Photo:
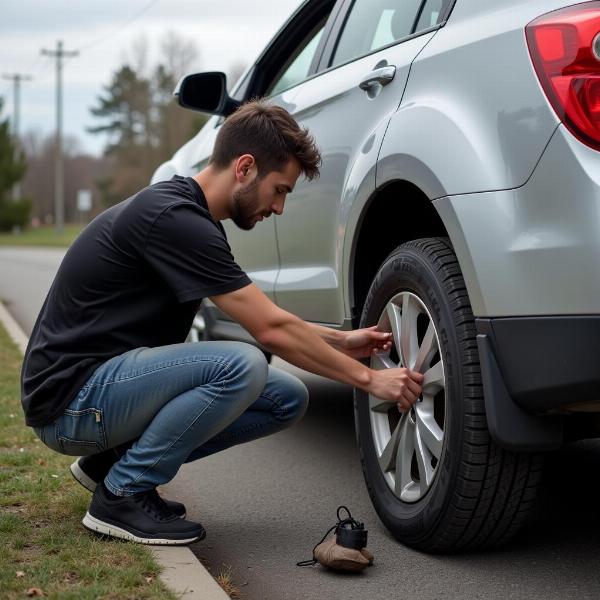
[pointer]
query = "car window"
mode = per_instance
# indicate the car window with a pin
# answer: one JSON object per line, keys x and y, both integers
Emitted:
{"x": 296, "y": 68}
{"x": 372, "y": 24}
{"x": 431, "y": 14}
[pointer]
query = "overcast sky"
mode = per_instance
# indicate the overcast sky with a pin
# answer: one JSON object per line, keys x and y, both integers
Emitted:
{"x": 226, "y": 32}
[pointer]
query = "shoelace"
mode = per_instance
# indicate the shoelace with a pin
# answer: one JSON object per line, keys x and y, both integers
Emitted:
{"x": 341, "y": 522}
{"x": 154, "y": 505}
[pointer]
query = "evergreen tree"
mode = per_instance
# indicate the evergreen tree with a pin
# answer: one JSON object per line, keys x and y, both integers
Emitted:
{"x": 126, "y": 105}
{"x": 12, "y": 168}
{"x": 144, "y": 124}
{"x": 12, "y": 161}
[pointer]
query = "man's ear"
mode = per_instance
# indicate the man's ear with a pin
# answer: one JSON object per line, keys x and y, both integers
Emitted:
{"x": 244, "y": 167}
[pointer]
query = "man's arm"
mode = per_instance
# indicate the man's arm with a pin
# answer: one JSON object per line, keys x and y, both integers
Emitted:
{"x": 357, "y": 343}
{"x": 331, "y": 336}
{"x": 297, "y": 342}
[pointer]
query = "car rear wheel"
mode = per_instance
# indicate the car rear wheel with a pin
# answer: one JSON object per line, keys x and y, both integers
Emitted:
{"x": 436, "y": 478}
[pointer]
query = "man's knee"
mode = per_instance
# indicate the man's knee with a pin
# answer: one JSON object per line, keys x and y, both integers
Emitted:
{"x": 249, "y": 365}
{"x": 297, "y": 401}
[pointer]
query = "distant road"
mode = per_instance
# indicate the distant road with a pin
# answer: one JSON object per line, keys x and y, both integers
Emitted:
{"x": 267, "y": 503}
{"x": 26, "y": 275}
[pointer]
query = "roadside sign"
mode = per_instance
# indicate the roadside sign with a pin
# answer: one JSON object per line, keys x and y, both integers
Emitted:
{"x": 84, "y": 200}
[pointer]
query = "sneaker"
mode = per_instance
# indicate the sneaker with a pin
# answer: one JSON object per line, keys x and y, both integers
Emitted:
{"x": 144, "y": 518}
{"x": 91, "y": 470}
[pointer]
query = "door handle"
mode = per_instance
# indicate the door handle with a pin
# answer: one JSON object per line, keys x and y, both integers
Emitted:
{"x": 381, "y": 76}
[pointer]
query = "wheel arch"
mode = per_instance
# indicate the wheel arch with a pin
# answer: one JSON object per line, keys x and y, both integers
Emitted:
{"x": 396, "y": 212}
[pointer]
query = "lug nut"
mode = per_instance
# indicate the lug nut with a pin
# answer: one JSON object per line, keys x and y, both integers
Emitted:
{"x": 596, "y": 46}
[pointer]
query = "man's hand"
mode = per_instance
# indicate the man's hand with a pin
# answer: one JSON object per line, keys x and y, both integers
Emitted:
{"x": 302, "y": 344}
{"x": 398, "y": 385}
{"x": 362, "y": 343}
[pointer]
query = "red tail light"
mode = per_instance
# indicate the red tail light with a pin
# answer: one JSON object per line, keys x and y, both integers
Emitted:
{"x": 565, "y": 50}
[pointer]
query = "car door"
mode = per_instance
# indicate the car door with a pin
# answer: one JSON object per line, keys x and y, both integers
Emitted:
{"x": 288, "y": 59}
{"x": 346, "y": 107}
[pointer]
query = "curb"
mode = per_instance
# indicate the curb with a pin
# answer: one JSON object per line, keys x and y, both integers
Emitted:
{"x": 13, "y": 328}
{"x": 181, "y": 572}
{"x": 185, "y": 575}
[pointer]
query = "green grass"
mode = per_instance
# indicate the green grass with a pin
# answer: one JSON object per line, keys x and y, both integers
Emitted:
{"x": 42, "y": 236}
{"x": 43, "y": 543}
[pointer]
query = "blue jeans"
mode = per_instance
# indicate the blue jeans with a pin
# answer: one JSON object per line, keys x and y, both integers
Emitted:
{"x": 179, "y": 403}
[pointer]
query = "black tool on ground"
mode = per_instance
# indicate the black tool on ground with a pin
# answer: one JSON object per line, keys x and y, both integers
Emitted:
{"x": 346, "y": 551}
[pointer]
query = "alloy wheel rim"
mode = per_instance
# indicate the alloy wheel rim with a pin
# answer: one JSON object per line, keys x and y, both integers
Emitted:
{"x": 197, "y": 330}
{"x": 409, "y": 444}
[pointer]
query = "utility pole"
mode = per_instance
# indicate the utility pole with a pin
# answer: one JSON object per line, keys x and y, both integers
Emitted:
{"x": 16, "y": 78}
{"x": 59, "y": 199}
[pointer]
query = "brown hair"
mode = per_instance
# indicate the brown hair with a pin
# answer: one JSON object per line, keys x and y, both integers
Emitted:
{"x": 270, "y": 134}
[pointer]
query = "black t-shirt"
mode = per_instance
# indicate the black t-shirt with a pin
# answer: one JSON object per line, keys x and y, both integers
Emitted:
{"x": 133, "y": 278}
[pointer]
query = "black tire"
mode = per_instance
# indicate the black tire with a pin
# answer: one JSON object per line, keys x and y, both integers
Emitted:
{"x": 480, "y": 494}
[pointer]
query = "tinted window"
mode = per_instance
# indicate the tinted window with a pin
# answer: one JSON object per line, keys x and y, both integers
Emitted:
{"x": 372, "y": 24}
{"x": 431, "y": 14}
{"x": 296, "y": 68}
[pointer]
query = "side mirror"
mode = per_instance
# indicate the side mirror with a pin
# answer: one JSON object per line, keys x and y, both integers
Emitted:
{"x": 206, "y": 92}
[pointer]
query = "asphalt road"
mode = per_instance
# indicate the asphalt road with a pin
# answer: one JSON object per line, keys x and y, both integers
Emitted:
{"x": 266, "y": 504}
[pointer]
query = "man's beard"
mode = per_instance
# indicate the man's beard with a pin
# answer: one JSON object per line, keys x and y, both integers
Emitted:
{"x": 245, "y": 206}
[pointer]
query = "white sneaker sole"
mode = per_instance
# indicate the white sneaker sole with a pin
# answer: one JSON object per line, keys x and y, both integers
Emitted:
{"x": 94, "y": 524}
{"x": 82, "y": 478}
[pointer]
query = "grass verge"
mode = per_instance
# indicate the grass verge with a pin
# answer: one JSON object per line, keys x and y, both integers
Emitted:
{"x": 42, "y": 236}
{"x": 45, "y": 550}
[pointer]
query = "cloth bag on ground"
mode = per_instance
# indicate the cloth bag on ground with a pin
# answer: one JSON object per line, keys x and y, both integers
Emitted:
{"x": 345, "y": 550}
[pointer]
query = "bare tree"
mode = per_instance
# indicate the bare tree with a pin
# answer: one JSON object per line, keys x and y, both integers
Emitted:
{"x": 82, "y": 171}
{"x": 145, "y": 124}
{"x": 178, "y": 54}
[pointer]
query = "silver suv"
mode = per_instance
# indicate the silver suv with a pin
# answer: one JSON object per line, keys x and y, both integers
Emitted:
{"x": 459, "y": 208}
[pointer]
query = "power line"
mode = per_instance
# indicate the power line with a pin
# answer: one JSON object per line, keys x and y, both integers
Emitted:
{"x": 35, "y": 63}
{"x": 59, "y": 200}
{"x": 41, "y": 66}
{"x": 119, "y": 28}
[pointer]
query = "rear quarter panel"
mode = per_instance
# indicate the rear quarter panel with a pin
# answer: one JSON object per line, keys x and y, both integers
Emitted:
{"x": 474, "y": 116}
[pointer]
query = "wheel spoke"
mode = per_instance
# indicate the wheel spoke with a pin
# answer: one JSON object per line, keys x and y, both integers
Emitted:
{"x": 423, "y": 462}
{"x": 427, "y": 350}
{"x": 404, "y": 454}
{"x": 409, "y": 344}
{"x": 387, "y": 460}
{"x": 382, "y": 360}
{"x": 394, "y": 316}
{"x": 429, "y": 431}
{"x": 433, "y": 379}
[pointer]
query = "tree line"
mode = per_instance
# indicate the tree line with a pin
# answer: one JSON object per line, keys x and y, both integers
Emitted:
{"x": 138, "y": 114}
{"x": 138, "y": 117}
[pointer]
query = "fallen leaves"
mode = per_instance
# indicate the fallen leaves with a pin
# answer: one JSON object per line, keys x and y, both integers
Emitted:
{"x": 34, "y": 592}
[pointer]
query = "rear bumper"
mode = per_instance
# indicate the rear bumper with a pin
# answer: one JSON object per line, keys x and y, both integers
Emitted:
{"x": 533, "y": 365}
{"x": 547, "y": 362}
